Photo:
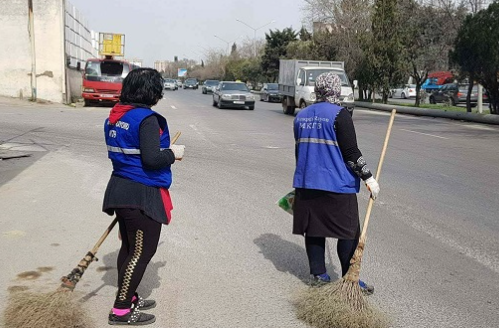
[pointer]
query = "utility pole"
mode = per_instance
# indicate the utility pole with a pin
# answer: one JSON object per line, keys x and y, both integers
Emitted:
{"x": 31, "y": 32}
{"x": 480, "y": 99}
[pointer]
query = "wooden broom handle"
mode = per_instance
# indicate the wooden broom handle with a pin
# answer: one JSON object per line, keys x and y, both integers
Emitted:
{"x": 175, "y": 137}
{"x": 104, "y": 236}
{"x": 378, "y": 174}
{"x": 113, "y": 223}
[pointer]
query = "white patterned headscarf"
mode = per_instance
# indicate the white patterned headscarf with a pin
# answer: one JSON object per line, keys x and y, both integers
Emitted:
{"x": 328, "y": 88}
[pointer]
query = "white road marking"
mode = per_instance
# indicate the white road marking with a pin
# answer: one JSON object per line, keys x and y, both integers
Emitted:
{"x": 426, "y": 134}
{"x": 174, "y": 107}
{"x": 202, "y": 135}
{"x": 470, "y": 125}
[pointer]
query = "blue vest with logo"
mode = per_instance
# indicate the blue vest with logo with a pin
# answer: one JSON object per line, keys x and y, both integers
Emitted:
{"x": 320, "y": 164}
{"x": 123, "y": 148}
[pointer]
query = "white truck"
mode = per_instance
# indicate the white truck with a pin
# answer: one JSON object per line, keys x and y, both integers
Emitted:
{"x": 297, "y": 80}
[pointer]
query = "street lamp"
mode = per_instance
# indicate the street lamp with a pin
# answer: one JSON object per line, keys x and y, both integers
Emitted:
{"x": 227, "y": 42}
{"x": 254, "y": 31}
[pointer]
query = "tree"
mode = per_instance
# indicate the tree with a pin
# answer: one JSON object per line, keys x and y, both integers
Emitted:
{"x": 427, "y": 35}
{"x": 275, "y": 49}
{"x": 476, "y": 51}
{"x": 251, "y": 48}
{"x": 304, "y": 34}
{"x": 233, "y": 50}
{"x": 385, "y": 47}
{"x": 302, "y": 50}
{"x": 339, "y": 29}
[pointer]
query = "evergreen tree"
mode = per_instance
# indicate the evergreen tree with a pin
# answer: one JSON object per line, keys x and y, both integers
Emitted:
{"x": 477, "y": 51}
{"x": 275, "y": 49}
{"x": 385, "y": 49}
{"x": 305, "y": 35}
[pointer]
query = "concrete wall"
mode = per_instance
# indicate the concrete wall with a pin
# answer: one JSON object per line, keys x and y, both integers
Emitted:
{"x": 74, "y": 79}
{"x": 15, "y": 49}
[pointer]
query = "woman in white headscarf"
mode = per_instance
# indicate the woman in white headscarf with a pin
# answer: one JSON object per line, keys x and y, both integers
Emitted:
{"x": 329, "y": 167}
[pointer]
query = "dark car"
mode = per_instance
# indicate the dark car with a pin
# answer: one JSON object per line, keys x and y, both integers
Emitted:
{"x": 455, "y": 94}
{"x": 209, "y": 86}
{"x": 190, "y": 83}
{"x": 270, "y": 93}
{"x": 233, "y": 95}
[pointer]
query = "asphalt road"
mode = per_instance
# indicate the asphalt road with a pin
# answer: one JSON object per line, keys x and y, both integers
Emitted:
{"x": 229, "y": 259}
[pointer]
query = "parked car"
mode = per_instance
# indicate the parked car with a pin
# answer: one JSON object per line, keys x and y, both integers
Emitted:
{"x": 209, "y": 86}
{"x": 456, "y": 94}
{"x": 404, "y": 91}
{"x": 233, "y": 95}
{"x": 191, "y": 83}
{"x": 179, "y": 83}
{"x": 270, "y": 92}
{"x": 170, "y": 84}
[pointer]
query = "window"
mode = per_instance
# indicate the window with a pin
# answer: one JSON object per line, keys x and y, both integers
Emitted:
{"x": 312, "y": 74}
{"x": 301, "y": 76}
{"x": 235, "y": 86}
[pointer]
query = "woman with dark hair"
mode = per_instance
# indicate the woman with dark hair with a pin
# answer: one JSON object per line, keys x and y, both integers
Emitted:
{"x": 329, "y": 166}
{"x": 138, "y": 144}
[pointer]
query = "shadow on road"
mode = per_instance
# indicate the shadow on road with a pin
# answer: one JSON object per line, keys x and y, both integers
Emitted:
{"x": 286, "y": 256}
{"x": 150, "y": 281}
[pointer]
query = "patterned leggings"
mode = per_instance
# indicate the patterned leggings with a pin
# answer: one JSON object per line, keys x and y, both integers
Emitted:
{"x": 139, "y": 241}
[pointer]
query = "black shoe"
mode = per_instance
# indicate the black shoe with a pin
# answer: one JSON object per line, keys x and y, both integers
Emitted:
{"x": 143, "y": 304}
{"x": 133, "y": 318}
{"x": 367, "y": 289}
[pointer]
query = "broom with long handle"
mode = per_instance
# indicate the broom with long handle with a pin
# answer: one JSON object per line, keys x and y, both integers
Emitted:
{"x": 342, "y": 303}
{"x": 354, "y": 269}
{"x": 69, "y": 282}
{"x": 59, "y": 308}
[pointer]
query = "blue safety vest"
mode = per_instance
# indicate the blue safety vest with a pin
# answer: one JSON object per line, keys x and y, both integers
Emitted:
{"x": 320, "y": 164}
{"x": 123, "y": 148}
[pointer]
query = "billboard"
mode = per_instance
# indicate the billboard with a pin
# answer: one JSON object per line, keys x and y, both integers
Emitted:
{"x": 182, "y": 72}
{"x": 111, "y": 44}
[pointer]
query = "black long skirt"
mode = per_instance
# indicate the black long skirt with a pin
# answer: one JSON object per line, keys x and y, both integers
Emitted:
{"x": 318, "y": 213}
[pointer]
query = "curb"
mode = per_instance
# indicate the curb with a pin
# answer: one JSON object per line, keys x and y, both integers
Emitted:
{"x": 469, "y": 117}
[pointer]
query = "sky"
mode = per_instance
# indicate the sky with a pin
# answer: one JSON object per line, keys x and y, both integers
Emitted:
{"x": 162, "y": 29}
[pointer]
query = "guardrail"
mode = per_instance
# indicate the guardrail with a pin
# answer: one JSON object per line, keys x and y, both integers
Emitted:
{"x": 463, "y": 116}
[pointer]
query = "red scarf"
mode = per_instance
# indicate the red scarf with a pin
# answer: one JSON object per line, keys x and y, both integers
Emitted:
{"x": 116, "y": 113}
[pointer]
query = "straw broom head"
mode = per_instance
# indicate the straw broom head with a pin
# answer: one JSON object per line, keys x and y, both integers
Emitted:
{"x": 341, "y": 304}
{"x": 57, "y": 309}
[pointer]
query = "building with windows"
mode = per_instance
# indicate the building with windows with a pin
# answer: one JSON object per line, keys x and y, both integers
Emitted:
{"x": 161, "y": 65}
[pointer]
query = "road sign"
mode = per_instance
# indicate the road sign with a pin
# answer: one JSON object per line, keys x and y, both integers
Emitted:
{"x": 182, "y": 72}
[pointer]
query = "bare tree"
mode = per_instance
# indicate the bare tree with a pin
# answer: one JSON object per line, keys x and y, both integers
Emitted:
{"x": 347, "y": 21}
{"x": 249, "y": 46}
{"x": 429, "y": 33}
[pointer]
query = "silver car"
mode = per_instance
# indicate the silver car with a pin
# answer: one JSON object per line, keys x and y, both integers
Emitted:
{"x": 170, "y": 84}
{"x": 404, "y": 91}
{"x": 233, "y": 95}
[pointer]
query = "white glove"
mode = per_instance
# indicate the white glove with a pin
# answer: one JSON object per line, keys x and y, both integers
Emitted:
{"x": 373, "y": 187}
{"x": 178, "y": 151}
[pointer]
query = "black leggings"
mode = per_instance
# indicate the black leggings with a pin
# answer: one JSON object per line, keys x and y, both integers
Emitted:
{"x": 316, "y": 250}
{"x": 139, "y": 241}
